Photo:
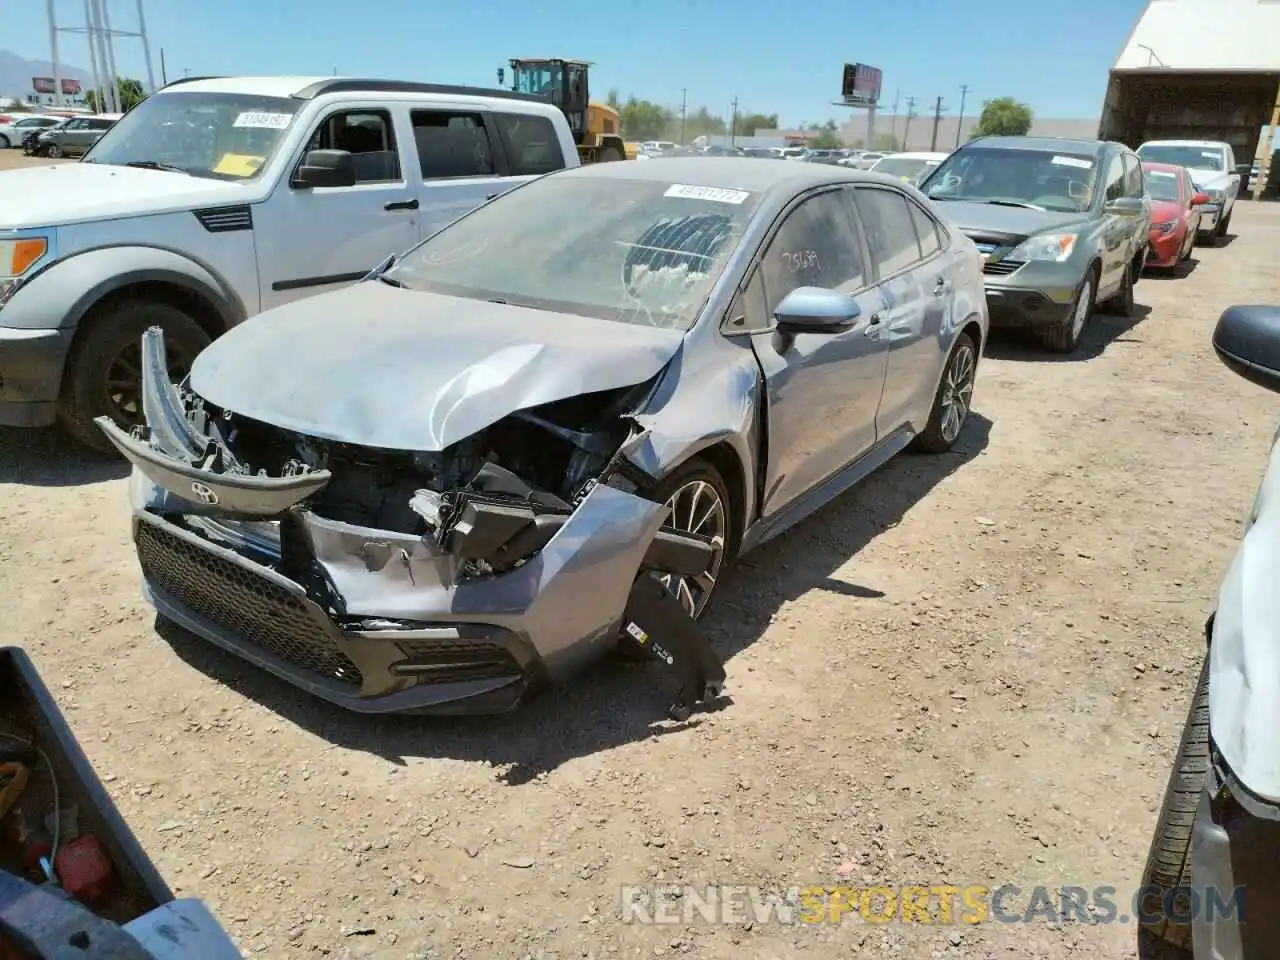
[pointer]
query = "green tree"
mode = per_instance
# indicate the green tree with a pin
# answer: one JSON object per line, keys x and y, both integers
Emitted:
{"x": 612, "y": 99}
{"x": 130, "y": 91}
{"x": 1003, "y": 117}
{"x": 749, "y": 123}
{"x": 643, "y": 119}
{"x": 826, "y": 136}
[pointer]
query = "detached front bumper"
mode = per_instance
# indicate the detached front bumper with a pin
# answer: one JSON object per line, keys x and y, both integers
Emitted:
{"x": 378, "y": 621}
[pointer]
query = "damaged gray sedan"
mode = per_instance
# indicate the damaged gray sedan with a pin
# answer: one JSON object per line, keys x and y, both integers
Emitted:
{"x": 548, "y": 426}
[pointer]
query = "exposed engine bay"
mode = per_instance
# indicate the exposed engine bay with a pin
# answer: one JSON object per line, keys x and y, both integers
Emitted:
{"x": 364, "y": 549}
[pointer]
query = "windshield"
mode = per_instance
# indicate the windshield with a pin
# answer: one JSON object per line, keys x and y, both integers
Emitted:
{"x": 632, "y": 251}
{"x": 902, "y": 167}
{"x": 1161, "y": 184}
{"x": 1033, "y": 178}
{"x": 1202, "y": 158}
{"x": 223, "y": 136}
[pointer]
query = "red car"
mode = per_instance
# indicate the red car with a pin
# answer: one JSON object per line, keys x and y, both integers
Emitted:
{"x": 1175, "y": 213}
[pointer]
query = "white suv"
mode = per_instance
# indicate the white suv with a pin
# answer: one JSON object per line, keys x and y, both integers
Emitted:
{"x": 1212, "y": 164}
{"x": 215, "y": 199}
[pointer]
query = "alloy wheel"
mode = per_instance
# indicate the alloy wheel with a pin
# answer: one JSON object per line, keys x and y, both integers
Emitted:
{"x": 697, "y": 508}
{"x": 1083, "y": 303}
{"x": 957, "y": 392}
{"x": 124, "y": 381}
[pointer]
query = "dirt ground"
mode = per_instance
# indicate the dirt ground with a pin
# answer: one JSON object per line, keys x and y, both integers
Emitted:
{"x": 971, "y": 670}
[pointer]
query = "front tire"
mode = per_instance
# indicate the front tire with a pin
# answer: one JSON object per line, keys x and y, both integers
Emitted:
{"x": 53, "y": 151}
{"x": 699, "y": 503}
{"x": 1169, "y": 859}
{"x": 954, "y": 399}
{"x": 1220, "y": 232}
{"x": 104, "y": 370}
{"x": 609, "y": 155}
{"x": 4, "y": 142}
{"x": 1065, "y": 337}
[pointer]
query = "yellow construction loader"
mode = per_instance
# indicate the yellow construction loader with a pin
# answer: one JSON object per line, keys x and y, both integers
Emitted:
{"x": 596, "y": 126}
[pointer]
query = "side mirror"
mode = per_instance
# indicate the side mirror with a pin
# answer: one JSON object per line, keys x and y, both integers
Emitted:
{"x": 1247, "y": 340}
{"x": 326, "y": 168}
{"x": 1200, "y": 199}
{"x": 1125, "y": 206}
{"x": 815, "y": 310}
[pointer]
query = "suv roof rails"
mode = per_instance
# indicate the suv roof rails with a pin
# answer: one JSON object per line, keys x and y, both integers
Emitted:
{"x": 174, "y": 83}
{"x": 349, "y": 85}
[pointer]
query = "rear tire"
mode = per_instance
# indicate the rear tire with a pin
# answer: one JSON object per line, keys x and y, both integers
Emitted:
{"x": 100, "y": 355}
{"x": 1065, "y": 337}
{"x": 955, "y": 387}
{"x": 1169, "y": 859}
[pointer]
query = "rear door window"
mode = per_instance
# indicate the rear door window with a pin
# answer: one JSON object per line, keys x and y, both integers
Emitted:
{"x": 452, "y": 144}
{"x": 891, "y": 232}
{"x": 533, "y": 148}
{"x": 927, "y": 231}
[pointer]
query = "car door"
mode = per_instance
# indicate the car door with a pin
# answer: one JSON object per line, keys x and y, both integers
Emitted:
{"x": 460, "y": 157}
{"x": 822, "y": 390}
{"x": 1115, "y": 230}
{"x": 906, "y": 258}
{"x": 312, "y": 238}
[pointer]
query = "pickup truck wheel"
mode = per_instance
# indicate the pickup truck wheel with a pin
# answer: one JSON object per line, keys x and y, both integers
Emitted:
{"x": 699, "y": 502}
{"x": 104, "y": 370}
{"x": 1169, "y": 860}
{"x": 1065, "y": 337}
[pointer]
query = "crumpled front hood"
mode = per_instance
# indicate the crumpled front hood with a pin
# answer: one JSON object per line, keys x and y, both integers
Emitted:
{"x": 66, "y": 193}
{"x": 1244, "y": 658}
{"x": 382, "y": 367}
{"x": 974, "y": 217}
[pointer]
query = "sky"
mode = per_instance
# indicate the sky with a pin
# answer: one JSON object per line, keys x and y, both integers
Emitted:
{"x": 771, "y": 57}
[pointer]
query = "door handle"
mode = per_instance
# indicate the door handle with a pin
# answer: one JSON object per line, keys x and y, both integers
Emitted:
{"x": 873, "y": 325}
{"x": 940, "y": 287}
{"x": 401, "y": 204}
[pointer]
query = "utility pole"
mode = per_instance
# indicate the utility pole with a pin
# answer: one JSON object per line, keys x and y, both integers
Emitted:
{"x": 164, "y": 77}
{"x": 893, "y": 127}
{"x": 733, "y": 122}
{"x": 684, "y": 103}
{"x": 964, "y": 92}
{"x": 937, "y": 119}
{"x": 906, "y": 130}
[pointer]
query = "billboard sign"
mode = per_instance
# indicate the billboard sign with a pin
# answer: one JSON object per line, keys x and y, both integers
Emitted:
{"x": 70, "y": 88}
{"x": 44, "y": 85}
{"x": 860, "y": 85}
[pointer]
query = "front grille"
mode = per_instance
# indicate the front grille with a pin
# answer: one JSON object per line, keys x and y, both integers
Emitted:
{"x": 1002, "y": 268}
{"x": 456, "y": 660}
{"x": 246, "y": 604}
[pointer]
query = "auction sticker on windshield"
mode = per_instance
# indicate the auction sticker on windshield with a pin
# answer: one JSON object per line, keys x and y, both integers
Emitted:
{"x": 1073, "y": 162}
{"x": 717, "y": 194}
{"x": 263, "y": 121}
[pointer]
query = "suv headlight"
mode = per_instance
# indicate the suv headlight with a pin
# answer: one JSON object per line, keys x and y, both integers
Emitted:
{"x": 1053, "y": 247}
{"x": 17, "y": 257}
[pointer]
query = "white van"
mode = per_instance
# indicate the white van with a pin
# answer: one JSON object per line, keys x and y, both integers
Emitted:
{"x": 214, "y": 199}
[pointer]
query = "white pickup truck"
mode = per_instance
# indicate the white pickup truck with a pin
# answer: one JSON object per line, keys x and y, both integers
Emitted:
{"x": 1212, "y": 165}
{"x": 215, "y": 199}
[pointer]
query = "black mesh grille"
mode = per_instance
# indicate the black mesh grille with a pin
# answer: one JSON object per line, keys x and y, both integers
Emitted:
{"x": 454, "y": 660}
{"x": 237, "y": 599}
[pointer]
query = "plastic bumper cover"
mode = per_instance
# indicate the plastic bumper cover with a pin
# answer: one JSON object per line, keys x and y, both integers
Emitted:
{"x": 31, "y": 364}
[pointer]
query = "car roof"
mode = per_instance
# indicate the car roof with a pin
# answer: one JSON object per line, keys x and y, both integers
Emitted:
{"x": 733, "y": 173}
{"x": 308, "y": 88}
{"x": 917, "y": 155}
{"x": 1041, "y": 144}
{"x": 1218, "y": 144}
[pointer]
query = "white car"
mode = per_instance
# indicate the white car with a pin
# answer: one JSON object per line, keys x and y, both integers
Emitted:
{"x": 909, "y": 167}
{"x": 1213, "y": 169}
{"x": 14, "y": 127}
{"x": 1214, "y": 852}
{"x": 215, "y": 199}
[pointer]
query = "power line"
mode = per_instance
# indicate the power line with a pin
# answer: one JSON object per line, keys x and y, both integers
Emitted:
{"x": 964, "y": 92}
{"x": 906, "y": 130}
{"x": 937, "y": 119}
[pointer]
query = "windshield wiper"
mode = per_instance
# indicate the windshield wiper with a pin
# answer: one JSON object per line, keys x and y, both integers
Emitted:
{"x": 156, "y": 165}
{"x": 389, "y": 281}
{"x": 1014, "y": 203}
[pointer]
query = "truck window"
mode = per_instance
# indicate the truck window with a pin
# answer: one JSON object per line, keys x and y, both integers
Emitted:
{"x": 452, "y": 144}
{"x": 532, "y": 145}
{"x": 368, "y": 136}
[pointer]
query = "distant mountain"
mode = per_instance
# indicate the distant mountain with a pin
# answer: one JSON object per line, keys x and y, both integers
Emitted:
{"x": 16, "y": 73}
